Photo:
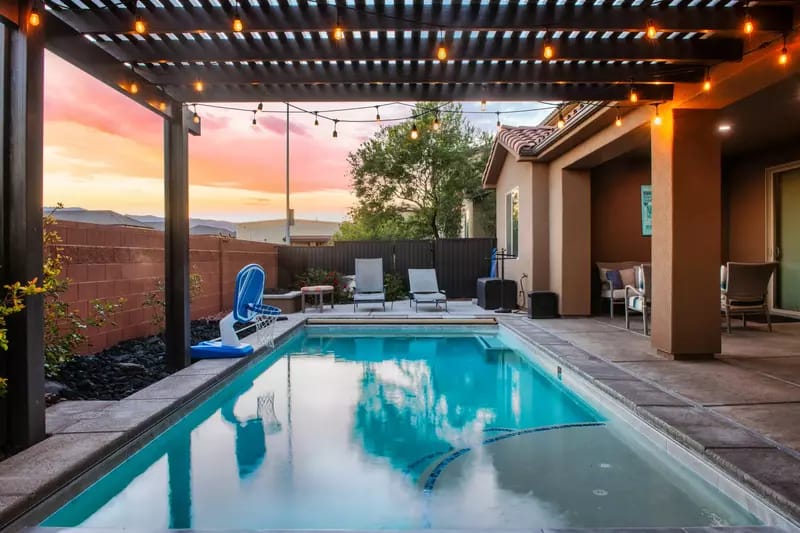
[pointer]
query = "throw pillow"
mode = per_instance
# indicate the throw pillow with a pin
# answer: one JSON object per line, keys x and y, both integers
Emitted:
{"x": 615, "y": 279}
{"x": 628, "y": 277}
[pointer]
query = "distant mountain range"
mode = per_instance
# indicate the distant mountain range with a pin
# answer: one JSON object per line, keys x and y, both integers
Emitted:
{"x": 157, "y": 222}
{"x": 197, "y": 226}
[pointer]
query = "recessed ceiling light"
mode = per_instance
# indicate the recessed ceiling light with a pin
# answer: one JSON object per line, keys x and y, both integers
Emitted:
{"x": 724, "y": 128}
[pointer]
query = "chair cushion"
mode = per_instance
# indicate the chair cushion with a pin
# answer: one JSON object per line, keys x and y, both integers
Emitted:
{"x": 635, "y": 303}
{"x": 429, "y": 297}
{"x": 628, "y": 276}
{"x": 316, "y": 288}
{"x": 614, "y": 277}
{"x": 369, "y": 297}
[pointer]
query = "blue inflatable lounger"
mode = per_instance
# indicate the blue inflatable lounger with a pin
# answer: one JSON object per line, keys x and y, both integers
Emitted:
{"x": 248, "y": 310}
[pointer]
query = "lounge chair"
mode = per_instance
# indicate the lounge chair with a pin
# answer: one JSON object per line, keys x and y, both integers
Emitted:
{"x": 424, "y": 288}
{"x": 638, "y": 298}
{"x": 369, "y": 283}
{"x": 744, "y": 288}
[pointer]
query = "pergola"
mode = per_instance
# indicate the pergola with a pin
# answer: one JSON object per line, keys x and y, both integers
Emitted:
{"x": 165, "y": 54}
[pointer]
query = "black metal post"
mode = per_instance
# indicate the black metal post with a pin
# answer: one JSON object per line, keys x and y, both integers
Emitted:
{"x": 176, "y": 238}
{"x": 22, "y": 87}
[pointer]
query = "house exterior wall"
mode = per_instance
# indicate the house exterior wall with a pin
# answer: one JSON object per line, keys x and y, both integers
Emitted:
{"x": 616, "y": 211}
{"x": 516, "y": 174}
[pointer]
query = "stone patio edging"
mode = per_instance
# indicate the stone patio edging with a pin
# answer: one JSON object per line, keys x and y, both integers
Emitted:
{"x": 755, "y": 461}
{"x": 37, "y": 481}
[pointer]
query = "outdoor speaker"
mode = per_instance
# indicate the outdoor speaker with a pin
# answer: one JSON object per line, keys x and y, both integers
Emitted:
{"x": 542, "y": 304}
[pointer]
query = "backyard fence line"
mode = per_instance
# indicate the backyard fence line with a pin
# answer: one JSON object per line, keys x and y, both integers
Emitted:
{"x": 458, "y": 262}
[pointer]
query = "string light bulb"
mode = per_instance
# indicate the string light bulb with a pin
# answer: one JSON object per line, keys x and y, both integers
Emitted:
{"x": 707, "y": 82}
{"x": 316, "y": 119}
{"x": 254, "y": 122}
{"x": 498, "y": 120}
{"x": 162, "y": 106}
{"x": 783, "y": 59}
{"x": 483, "y": 105}
{"x": 138, "y": 25}
{"x": 548, "y": 52}
{"x": 657, "y": 118}
{"x": 237, "y": 24}
{"x": 748, "y": 26}
{"x": 338, "y": 31}
{"x": 198, "y": 86}
{"x": 652, "y": 31}
{"x": 414, "y": 132}
{"x": 618, "y": 121}
{"x": 34, "y": 19}
{"x": 133, "y": 88}
{"x": 260, "y": 106}
{"x": 195, "y": 116}
{"x": 436, "y": 124}
{"x": 561, "y": 122}
{"x": 441, "y": 52}
{"x": 634, "y": 96}
{"x": 378, "y": 115}
{"x": 335, "y": 134}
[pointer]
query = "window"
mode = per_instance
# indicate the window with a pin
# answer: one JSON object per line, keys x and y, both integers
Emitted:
{"x": 512, "y": 222}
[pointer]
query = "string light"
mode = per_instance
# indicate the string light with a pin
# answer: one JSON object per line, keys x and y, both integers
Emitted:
{"x": 316, "y": 119}
{"x": 436, "y": 124}
{"x": 138, "y": 25}
{"x": 133, "y": 88}
{"x": 338, "y": 31}
{"x": 414, "y": 132}
{"x": 783, "y": 59}
{"x": 657, "y": 118}
{"x": 237, "y": 23}
{"x": 34, "y": 19}
{"x": 498, "y": 120}
{"x": 707, "y": 81}
{"x": 634, "y": 97}
{"x": 195, "y": 116}
{"x": 162, "y": 106}
{"x": 255, "y": 122}
{"x": 548, "y": 52}
{"x": 378, "y": 115}
{"x": 561, "y": 122}
{"x": 483, "y": 105}
{"x": 748, "y": 26}
{"x": 335, "y": 133}
{"x": 198, "y": 86}
{"x": 260, "y": 106}
{"x": 618, "y": 120}
{"x": 441, "y": 50}
{"x": 652, "y": 32}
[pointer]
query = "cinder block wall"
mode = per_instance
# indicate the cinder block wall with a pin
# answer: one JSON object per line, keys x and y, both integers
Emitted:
{"x": 108, "y": 263}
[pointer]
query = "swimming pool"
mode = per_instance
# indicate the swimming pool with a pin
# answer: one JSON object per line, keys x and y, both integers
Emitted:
{"x": 346, "y": 428}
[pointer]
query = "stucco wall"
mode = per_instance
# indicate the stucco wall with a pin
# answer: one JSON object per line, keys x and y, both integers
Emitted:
{"x": 745, "y": 201}
{"x": 616, "y": 210}
{"x": 516, "y": 174}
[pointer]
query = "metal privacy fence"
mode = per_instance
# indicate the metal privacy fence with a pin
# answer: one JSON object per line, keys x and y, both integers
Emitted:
{"x": 458, "y": 262}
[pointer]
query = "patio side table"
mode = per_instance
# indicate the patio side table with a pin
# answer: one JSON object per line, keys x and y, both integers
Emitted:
{"x": 318, "y": 291}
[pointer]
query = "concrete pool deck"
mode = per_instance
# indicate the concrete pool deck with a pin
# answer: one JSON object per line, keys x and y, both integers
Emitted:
{"x": 714, "y": 410}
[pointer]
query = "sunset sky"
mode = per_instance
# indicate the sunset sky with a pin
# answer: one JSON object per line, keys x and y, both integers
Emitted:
{"x": 103, "y": 151}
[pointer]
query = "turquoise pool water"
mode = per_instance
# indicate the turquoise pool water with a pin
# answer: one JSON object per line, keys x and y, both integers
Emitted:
{"x": 355, "y": 429}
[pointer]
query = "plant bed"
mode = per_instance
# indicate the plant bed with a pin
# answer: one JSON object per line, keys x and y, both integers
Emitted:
{"x": 121, "y": 370}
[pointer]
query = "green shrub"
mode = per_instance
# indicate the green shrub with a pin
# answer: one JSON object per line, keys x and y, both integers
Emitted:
{"x": 157, "y": 301}
{"x": 13, "y": 302}
{"x": 394, "y": 287}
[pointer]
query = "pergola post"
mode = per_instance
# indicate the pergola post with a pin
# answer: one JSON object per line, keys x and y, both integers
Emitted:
{"x": 22, "y": 413}
{"x": 176, "y": 238}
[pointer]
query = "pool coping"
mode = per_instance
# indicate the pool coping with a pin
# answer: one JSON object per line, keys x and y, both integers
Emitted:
{"x": 40, "y": 479}
{"x": 752, "y": 460}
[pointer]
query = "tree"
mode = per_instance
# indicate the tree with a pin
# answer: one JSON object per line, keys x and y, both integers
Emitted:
{"x": 414, "y": 188}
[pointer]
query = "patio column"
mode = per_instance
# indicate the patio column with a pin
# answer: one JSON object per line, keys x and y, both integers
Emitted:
{"x": 570, "y": 240}
{"x": 22, "y": 420}
{"x": 176, "y": 238}
{"x": 686, "y": 234}
{"x": 540, "y": 269}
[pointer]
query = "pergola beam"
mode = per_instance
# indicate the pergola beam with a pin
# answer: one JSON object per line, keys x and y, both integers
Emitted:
{"x": 421, "y": 91}
{"x": 465, "y": 17}
{"x": 381, "y": 48}
{"x": 72, "y": 47}
{"x": 422, "y": 72}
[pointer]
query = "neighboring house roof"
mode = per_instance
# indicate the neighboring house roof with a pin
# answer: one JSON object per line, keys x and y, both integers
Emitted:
{"x": 91, "y": 216}
{"x": 319, "y": 230}
{"x": 206, "y": 229}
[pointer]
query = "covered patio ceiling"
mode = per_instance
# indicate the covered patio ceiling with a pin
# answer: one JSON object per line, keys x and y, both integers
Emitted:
{"x": 286, "y": 49}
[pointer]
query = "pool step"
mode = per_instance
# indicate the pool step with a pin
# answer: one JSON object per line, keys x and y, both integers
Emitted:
{"x": 491, "y": 344}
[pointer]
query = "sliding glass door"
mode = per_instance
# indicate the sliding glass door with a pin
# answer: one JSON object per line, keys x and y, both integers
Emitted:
{"x": 787, "y": 240}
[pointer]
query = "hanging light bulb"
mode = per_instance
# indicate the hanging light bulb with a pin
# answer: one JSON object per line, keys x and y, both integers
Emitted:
{"x": 783, "y": 59}
{"x": 436, "y": 124}
{"x": 707, "y": 81}
{"x": 441, "y": 52}
{"x": 162, "y": 106}
{"x": 254, "y": 122}
{"x": 237, "y": 23}
{"x": 618, "y": 121}
{"x": 748, "y": 26}
{"x": 561, "y": 122}
{"x": 548, "y": 52}
{"x": 316, "y": 119}
{"x": 634, "y": 97}
{"x": 260, "y": 106}
{"x": 198, "y": 86}
{"x": 414, "y": 132}
{"x": 335, "y": 133}
{"x": 378, "y": 115}
{"x": 498, "y": 120}
{"x": 138, "y": 25}
{"x": 657, "y": 118}
{"x": 195, "y": 116}
{"x": 133, "y": 88}
{"x": 338, "y": 31}
{"x": 651, "y": 31}
{"x": 34, "y": 19}
{"x": 483, "y": 105}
